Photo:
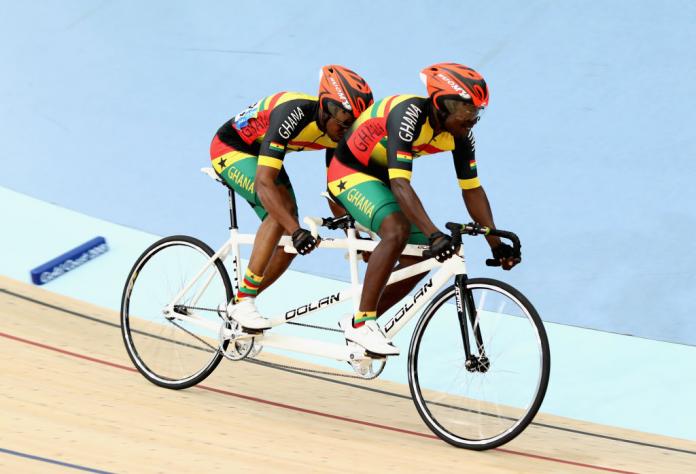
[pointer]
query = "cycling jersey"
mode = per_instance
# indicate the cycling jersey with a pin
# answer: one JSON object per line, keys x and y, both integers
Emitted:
{"x": 393, "y": 131}
{"x": 274, "y": 125}
{"x": 380, "y": 146}
{"x": 261, "y": 135}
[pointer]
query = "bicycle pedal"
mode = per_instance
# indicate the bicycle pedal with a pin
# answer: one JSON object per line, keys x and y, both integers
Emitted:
{"x": 255, "y": 350}
{"x": 361, "y": 367}
{"x": 374, "y": 356}
{"x": 367, "y": 367}
{"x": 252, "y": 332}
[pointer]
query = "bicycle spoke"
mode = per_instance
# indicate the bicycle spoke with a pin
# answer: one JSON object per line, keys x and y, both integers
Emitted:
{"x": 213, "y": 349}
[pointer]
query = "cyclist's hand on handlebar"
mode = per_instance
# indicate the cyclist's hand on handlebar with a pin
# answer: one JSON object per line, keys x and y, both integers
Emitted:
{"x": 303, "y": 241}
{"x": 441, "y": 246}
{"x": 504, "y": 256}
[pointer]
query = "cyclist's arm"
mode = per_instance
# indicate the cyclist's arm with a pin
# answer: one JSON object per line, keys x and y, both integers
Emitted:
{"x": 403, "y": 126}
{"x": 479, "y": 209}
{"x": 474, "y": 196}
{"x": 285, "y": 122}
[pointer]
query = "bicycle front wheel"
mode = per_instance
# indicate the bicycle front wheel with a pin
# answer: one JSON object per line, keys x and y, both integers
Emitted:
{"x": 175, "y": 348}
{"x": 486, "y": 401}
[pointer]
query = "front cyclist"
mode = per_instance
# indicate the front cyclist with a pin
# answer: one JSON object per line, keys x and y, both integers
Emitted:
{"x": 248, "y": 152}
{"x": 370, "y": 176}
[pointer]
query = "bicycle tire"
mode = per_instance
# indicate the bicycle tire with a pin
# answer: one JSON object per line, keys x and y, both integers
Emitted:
{"x": 425, "y": 408}
{"x": 128, "y": 332}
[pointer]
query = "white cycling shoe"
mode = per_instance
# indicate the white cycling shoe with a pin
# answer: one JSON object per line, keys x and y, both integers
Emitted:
{"x": 369, "y": 336}
{"x": 246, "y": 314}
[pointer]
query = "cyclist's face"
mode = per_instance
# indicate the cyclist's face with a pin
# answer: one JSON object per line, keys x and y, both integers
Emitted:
{"x": 338, "y": 123}
{"x": 461, "y": 119}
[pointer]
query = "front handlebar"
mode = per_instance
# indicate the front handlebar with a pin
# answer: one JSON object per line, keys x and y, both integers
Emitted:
{"x": 472, "y": 228}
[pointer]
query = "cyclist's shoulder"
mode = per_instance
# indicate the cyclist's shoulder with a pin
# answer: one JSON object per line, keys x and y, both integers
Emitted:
{"x": 411, "y": 98}
{"x": 282, "y": 101}
{"x": 406, "y": 109}
{"x": 397, "y": 103}
{"x": 294, "y": 106}
{"x": 296, "y": 98}
{"x": 393, "y": 108}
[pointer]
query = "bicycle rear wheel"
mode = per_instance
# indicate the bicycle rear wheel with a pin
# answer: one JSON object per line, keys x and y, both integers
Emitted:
{"x": 175, "y": 349}
{"x": 479, "y": 405}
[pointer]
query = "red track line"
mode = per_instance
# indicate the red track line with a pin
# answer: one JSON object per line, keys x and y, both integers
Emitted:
{"x": 308, "y": 411}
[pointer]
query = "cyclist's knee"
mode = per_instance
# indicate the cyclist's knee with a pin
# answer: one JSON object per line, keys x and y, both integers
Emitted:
{"x": 269, "y": 224}
{"x": 395, "y": 229}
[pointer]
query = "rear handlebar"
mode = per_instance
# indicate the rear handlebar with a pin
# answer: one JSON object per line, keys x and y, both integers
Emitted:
{"x": 456, "y": 231}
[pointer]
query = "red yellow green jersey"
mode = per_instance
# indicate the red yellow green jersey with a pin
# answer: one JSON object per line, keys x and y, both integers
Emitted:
{"x": 392, "y": 132}
{"x": 275, "y": 125}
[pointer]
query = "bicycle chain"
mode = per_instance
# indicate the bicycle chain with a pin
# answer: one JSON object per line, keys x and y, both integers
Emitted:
{"x": 303, "y": 369}
{"x": 198, "y": 308}
{"x": 315, "y": 327}
{"x": 312, "y": 326}
{"x": 276, "y": 364}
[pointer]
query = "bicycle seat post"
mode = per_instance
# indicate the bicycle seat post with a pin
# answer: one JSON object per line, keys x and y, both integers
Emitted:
{"x": 233, "y": 209}
{"x": 353, "y": 262}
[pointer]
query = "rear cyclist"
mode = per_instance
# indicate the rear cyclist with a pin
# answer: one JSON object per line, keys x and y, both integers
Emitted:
{"x": 248, "y": 151}
{"x": 370, "y": 176}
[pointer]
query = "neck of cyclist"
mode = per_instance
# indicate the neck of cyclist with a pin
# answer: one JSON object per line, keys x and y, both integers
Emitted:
{"x": 437, "y": 118}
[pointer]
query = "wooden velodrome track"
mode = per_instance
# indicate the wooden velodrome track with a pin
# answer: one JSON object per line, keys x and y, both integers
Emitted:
{"x": 70, "y": 399}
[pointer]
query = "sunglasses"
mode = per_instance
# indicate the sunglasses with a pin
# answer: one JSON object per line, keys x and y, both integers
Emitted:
{"x": 466, "y": 112}
{"x": 334, "y": 112}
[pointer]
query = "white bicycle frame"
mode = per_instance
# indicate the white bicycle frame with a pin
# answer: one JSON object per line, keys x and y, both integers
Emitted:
{"x": 451, "y": 267}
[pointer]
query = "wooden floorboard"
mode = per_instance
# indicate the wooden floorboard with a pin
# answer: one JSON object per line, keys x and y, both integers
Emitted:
{"x": 69, "y": 394}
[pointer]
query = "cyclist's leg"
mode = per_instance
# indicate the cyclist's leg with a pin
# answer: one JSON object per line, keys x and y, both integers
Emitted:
{"x": 372, "y": 204}
{"x": 393, "y": 232}
{"x": 280, "y": 260}
{"x": 396, "y": 291}
{"x": 393, "y": 293}
{"x": 266, "y": 257}
{"x": 238, "y": 170}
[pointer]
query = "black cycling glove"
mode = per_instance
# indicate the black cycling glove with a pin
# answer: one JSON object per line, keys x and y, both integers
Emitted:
{"x": 503, "y": 251}
{"x": 441, "y": 246}
{"x": 303, "y": 241}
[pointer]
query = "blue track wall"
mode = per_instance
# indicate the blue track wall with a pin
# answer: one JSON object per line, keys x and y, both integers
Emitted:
{"x": 587, "y": 150}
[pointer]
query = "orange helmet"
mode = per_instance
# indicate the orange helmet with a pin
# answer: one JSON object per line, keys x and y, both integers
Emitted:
{"x": 339, "y": 86}
{"x": 454, "y": 81}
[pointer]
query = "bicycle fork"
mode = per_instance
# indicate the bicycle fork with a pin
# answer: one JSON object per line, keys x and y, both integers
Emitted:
{"x": 466, "y": 307}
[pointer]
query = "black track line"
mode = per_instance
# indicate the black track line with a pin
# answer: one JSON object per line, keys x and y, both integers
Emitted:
{"x": 360, "y": 387}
